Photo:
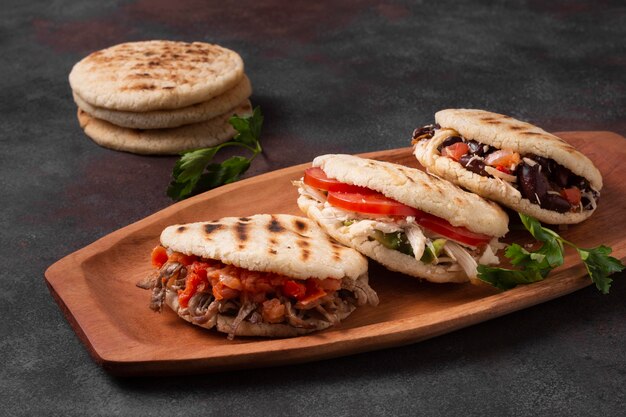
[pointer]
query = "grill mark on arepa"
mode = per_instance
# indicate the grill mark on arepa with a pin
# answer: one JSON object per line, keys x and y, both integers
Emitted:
{"x": 181, "y": 229}
{"x": 273, "y": 242}
{"x": 212, "y": 227}
{"x": 393, "y": 173}
{"x": 408, "y": 177}
{"x": 274, "y": 226}
{"x": 336, "y": 249}
{"x": 304, "y": 251}
{"x": 241, "y": 230}
{"x": 140, "y": 86}
{"x": 300, "y": 225}
{"x": 530, "y": 133}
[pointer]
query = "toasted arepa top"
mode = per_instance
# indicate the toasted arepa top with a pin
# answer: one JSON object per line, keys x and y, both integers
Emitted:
{"x": 505, "y": 132}
{"x": 280, "y": 243}
{"x": 419, "y": 190}
{"x": 155, "y": 75}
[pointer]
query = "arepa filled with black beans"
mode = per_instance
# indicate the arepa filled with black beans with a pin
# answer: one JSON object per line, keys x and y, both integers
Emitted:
{"x": 514, "y": 163}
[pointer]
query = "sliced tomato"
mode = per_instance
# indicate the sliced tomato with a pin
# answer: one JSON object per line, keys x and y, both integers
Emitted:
{"x": 456, "y": 233}
{"x": 455, "y": 151}
{"x": 371, "y": 203}
{"x": 379, "y": 204}
{"x": 316, "y": 177}
{"x": 572, "y": 195}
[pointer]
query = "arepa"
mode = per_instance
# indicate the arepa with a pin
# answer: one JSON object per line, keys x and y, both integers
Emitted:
{"x": 403, "y": 218}
{"x": 262, "y": 275}
{"x": 160, "y": 119}
{"x": 162, "y": 141}
{"x": 155, "y": 75}
{"x": 511, "y": 162}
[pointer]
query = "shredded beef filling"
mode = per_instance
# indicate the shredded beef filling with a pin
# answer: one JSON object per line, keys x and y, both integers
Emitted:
{"x": 255, "y": 297}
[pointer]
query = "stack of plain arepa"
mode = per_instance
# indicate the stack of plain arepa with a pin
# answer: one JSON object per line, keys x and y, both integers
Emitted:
{"x": 160, "y": 97}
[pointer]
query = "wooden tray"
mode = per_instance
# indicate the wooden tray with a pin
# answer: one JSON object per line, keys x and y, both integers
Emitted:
{"x": 95, "y": 286}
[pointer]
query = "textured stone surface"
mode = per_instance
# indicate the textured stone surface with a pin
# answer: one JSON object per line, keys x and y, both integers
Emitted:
{"x": 350, "y": 77}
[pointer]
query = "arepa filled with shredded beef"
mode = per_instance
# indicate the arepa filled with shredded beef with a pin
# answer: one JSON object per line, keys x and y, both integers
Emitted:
{"x": 263, "y": 275}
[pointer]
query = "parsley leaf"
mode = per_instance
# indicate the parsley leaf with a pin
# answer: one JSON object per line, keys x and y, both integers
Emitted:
{"x": 505, "y": 279}
{"x": 194, "y": 172}
{"x": 535, "y": 266}
{"x": 600, "y": 265}
{"x": 552, "y": 247}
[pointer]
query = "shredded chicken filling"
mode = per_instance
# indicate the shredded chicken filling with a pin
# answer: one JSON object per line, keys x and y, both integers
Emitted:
{"x": 408, "y": 237}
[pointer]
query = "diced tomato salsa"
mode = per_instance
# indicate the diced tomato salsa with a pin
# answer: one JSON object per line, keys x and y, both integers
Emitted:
{"x": 229, "y": 282}
{"x": 504, "y": 169}
{"x": 572, "y": 195}
{"x": 455, "y": 151}
{"x": 159, "y": 256}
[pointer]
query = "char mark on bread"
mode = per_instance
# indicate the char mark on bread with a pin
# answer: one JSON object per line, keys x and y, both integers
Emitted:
{"x": 211, "y": 227}
{"x": 300, "y": 225}
{"x": 305, "y": 253}
{"x": 241, "y": 231}
{"x": 274, "y": 226}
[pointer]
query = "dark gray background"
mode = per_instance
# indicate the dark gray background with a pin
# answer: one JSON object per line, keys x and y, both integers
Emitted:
{"x": 351, "y": 77}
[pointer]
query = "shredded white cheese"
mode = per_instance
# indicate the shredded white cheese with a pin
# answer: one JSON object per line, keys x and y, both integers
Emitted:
{"x": 592, "y": 201}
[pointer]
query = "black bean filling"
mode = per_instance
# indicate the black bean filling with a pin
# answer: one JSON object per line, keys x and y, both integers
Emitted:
{"x": 425, "y": 132}
{"x": 541, "y": 182}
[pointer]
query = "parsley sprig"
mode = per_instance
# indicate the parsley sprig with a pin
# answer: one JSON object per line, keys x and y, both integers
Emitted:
{"x": 535, "y": 266}
{"x": 194, "y": 172}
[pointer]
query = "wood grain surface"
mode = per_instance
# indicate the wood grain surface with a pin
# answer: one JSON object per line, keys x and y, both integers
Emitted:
{"x": 95, "y": 286}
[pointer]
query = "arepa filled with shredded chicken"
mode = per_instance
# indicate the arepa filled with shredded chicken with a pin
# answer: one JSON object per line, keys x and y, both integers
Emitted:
{"x": 403, "y": 218}
{"x": 263, "y": 275}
